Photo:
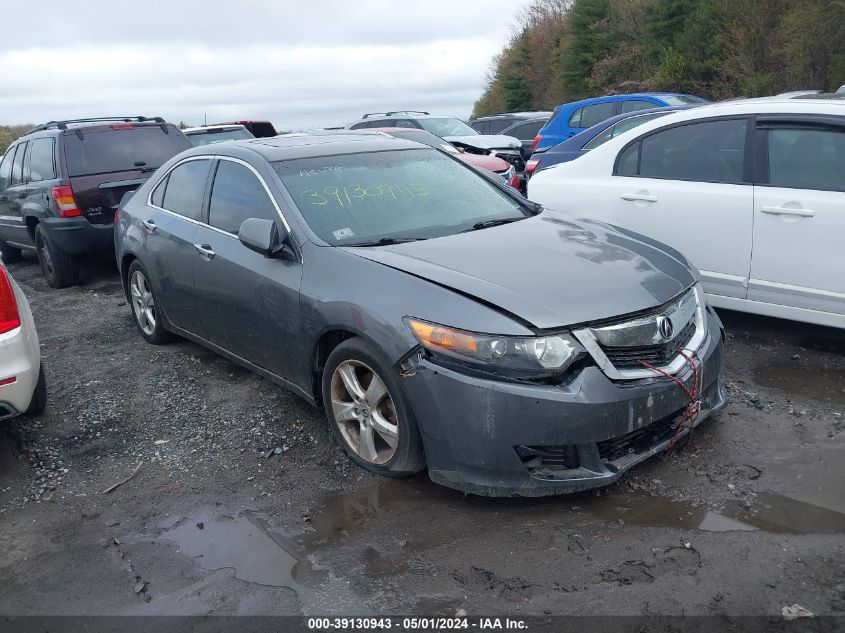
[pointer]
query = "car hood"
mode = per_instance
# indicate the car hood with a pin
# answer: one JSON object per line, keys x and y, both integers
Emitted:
{"x": 485, "y": 141}
{"x": 548, "y": 271}
{"x": 484, "y": 161}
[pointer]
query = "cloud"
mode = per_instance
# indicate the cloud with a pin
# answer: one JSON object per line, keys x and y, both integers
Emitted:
{"x": 301, "y": 66}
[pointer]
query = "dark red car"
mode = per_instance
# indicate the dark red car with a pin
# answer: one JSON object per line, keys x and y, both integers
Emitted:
{"x": 494, "y": 164}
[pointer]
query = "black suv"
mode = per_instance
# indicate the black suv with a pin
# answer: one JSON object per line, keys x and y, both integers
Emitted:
{"x": 522, "y": 125}
{"x": 61, "y": 182}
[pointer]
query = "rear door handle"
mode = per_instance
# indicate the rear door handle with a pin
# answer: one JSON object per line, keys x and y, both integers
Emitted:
{"x": 633, "y": 197}
{"x": 804, "y": 213}
{"x": 149, "y": 225}
{"x": 205, "y": 251}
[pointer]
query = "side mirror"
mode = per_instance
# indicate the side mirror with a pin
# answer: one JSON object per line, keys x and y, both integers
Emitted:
{"x": 265, "y": 237}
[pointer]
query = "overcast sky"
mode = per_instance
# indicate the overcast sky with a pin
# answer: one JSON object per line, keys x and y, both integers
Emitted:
{"x": 298, "y": 64}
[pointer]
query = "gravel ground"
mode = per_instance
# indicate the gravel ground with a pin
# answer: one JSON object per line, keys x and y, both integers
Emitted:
{"x": 243, "y": 504}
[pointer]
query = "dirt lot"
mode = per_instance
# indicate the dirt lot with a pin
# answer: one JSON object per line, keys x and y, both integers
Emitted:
{"x": 746, "y": 519}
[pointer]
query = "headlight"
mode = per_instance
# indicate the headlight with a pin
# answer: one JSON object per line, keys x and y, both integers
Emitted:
{"x": 518, "y": 356}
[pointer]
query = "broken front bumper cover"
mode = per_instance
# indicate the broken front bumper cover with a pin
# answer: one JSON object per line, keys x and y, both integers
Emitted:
{"x": 498, "y": 438}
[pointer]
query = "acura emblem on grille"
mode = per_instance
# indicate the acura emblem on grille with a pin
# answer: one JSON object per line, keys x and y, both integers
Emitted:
{"x": 665, "y": 327}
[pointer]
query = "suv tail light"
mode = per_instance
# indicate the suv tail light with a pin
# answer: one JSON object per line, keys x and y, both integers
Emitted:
{"x": 536, "y": 142}
{"x": 9, "y": 316}
{"x": 122, "y": 126}
{"x": 64, "y": 201}
{"x": 531, "y": 166}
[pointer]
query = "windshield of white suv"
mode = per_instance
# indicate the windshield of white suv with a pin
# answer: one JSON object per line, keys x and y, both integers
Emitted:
{"x": 447, "y": 126}
{"x": 358, "y": 199}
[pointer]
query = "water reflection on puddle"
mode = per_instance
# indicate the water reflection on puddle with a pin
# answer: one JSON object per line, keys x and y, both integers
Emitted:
{"x": 245, "y": 544}
{"x": 770, "y": 512}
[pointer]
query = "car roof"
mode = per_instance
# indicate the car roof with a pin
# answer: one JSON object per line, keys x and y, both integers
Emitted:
{"x": 219, "y": 126}
{"x": 403, "y": 114}
{"x": 308, "y": 145}
{"x": 538, "y": 114}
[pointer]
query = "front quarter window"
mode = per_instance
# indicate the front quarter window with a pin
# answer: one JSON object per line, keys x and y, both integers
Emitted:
{"x": 356, "y": 199}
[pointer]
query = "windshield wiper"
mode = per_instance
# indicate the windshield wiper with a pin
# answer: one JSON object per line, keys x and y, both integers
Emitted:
{"x": 387, "y": 241}
{"x": 486, "y": 224}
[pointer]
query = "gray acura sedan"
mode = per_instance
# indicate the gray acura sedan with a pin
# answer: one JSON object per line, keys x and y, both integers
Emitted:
{"x": 442, "y": 321}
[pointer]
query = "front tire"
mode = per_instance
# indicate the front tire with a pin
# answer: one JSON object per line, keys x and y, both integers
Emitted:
{"x": 145, "y": 307}
{"x": 368, "y": 412}
{"x": 60, "y": 270}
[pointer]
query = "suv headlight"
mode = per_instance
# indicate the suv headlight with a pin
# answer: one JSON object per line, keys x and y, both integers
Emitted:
{"x": 518, "y": 356}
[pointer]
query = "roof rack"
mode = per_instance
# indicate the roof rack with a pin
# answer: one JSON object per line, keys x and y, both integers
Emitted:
{"x": 369, "y": 114}
{"x": 63, "y": 125}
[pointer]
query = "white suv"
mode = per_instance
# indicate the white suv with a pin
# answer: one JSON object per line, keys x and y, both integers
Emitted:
{"x": 22, "y": 385}
{"x": 752, "y": 191}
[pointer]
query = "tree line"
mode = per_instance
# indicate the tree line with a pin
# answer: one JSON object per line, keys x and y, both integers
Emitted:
{"x": 564, "y": 50}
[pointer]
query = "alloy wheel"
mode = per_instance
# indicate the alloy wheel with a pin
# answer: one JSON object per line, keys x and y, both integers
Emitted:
{"x": 143, "y": 305}
{"x": 364, "y": 411}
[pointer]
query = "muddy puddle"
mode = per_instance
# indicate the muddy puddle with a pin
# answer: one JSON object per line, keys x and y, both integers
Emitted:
{"x": 419, "y": 516}
{"x": 246, "y": 544}
{"x": 817, "y": 383}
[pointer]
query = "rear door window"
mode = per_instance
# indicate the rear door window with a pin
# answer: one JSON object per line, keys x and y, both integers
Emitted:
{"x": 806, "y": 158}
{"x": 186, "y": 187}
{"x": 121, "y": 148}
{"x": 237, "y": 195}
{"x": 406, "y": 123}
{"x": 41, "y": 163}
{"x": 17, "y": 165}
{"x": 597, "y": 113}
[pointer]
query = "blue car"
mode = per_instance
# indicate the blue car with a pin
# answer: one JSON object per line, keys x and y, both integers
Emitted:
{"x": 571, "y": 118}
{"x": 591, "y": 138}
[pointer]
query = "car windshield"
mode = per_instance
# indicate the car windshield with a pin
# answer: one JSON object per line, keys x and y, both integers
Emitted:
{"x": 622, "y": 126}
{"x": 447, "y": 126}
{"x": 360, "y": 199}
{"x": 207, "y": 137}
{"x": 426, "y": 138}
{"x": 678, "y": 100}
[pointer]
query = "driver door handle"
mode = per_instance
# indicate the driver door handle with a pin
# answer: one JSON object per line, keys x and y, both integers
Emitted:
{"x": 205, "y": 251}
{"x": 633, "y": 197}
{"x": 804, "y": 213}
{"x": 149, "y": 225}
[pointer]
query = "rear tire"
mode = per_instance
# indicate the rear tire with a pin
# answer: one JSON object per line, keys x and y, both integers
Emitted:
{"x": 60, "y": 270}
{"x": 377, "y": 428}
{"x": 10, "y": 254}
{"x": 39, "y": 396}
{"x": 145, "y": 306}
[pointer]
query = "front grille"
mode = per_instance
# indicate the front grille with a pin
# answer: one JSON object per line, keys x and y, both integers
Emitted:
{"x": 640, "y": 440}
{"x": 659, "y": 355}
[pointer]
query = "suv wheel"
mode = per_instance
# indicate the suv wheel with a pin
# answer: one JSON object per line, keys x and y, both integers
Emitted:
{"x": 59, "y": 269}
{"x": 144, "y": 307}
{"x": 10, "y": 255}
{"x": 368, "y": 413}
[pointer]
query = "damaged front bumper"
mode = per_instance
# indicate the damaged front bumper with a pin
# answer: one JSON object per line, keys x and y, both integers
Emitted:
{"x": 498, "y": 438}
